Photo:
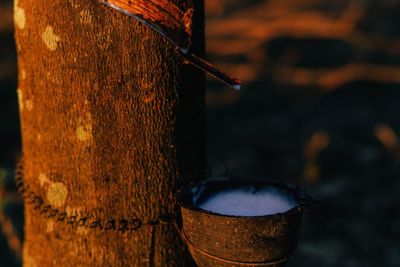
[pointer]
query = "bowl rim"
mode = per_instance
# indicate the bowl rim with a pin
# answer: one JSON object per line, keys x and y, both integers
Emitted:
{"x": 302, "y": 200}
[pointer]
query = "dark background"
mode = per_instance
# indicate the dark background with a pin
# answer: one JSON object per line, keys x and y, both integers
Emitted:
{"x": 319, "y": 108}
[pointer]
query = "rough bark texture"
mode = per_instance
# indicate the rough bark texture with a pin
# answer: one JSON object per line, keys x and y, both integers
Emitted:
{"x": 111, "y": 130}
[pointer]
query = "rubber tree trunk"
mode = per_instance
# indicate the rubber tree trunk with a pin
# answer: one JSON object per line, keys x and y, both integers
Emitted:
{"x": 112, "y": 127}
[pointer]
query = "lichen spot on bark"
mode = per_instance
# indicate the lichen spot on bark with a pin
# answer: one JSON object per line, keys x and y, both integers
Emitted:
{"x": 84, "y": 132}
{"x": 43, "y": 179}
{"x": 49, "y": 226}
{"x": 20, "y": 100}
{"x": 19, "y": 16}
{"x": 57, "y": 194}
{"x": 29, "y": 104}
{"x": 50, "y": 38}
{"x": 82, "y": 231}
{"x": 85, "y": 17}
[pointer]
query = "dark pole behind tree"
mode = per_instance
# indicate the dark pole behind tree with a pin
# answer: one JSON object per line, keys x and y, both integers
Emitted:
{"x": 112, "y": 127}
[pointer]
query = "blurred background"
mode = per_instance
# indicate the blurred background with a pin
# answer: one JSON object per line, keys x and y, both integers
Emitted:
{"x": 319, "y": 107}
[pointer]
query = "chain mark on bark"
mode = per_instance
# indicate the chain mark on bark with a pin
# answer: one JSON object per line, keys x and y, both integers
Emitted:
{"x": 84, "y": 220}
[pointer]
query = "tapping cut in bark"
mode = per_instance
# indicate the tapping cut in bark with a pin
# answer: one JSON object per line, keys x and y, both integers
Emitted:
{"x": 175, "y": 26}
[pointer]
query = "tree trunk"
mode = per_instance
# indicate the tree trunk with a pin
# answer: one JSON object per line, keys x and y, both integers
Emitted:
{"x": 112, "y": 127}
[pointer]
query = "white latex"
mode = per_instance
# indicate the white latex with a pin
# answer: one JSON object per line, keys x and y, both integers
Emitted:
{"x": 248, "y": 202}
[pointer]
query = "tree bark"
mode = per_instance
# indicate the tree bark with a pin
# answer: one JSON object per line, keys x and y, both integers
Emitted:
{"x": 112, "y": 127}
